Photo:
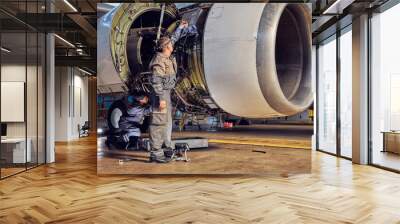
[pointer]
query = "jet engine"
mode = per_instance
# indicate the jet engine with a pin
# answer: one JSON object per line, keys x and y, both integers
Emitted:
{"x": 249, "y": 60}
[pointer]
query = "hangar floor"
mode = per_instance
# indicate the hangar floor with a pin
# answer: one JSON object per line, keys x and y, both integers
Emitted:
{"x": 256, "y": 149}
{"x": 70, "y": 191}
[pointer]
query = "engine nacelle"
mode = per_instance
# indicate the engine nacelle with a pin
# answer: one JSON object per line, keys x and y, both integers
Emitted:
{"x": 256, "y": 65}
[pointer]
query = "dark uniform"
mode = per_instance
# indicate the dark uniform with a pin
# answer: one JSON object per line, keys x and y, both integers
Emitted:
{"x": 125, "y": 122}
{"x": 133, "y": 120}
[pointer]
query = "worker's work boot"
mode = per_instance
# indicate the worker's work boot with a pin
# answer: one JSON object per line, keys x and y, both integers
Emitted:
{"x": 158, "y": 157}
{"x": 169, "y": 153}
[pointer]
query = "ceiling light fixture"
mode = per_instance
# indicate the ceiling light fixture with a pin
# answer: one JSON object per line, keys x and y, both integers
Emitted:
{"x": 70, "y": 5}
{"x": 65, "y": 41}
{"x": 337, "y": 7}
{"x": 5, "y": 50}
{"x": 84, "y": 71}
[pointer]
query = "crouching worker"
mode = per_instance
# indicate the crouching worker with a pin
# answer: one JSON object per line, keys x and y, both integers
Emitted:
{"x": 132, "y": 121}
{"x": 125, "y": 121}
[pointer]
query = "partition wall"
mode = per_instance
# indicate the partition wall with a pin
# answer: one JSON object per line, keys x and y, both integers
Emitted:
{"x": 334, "y": 90}
{"x": 22, "y": 95}
{"x": 326, "y": 101}
{"x": 334, "y": 58}
{"x": 385, "y": 89}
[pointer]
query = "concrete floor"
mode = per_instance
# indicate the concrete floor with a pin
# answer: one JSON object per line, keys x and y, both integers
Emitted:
{"x": 256, "y": 153}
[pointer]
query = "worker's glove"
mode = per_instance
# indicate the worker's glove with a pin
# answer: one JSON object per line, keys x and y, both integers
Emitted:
{"x": 183, "y": 24}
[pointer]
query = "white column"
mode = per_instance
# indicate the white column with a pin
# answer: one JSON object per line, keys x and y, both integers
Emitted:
{"x": 63, "y": 103}
{"x": 50, "y": 99}
{"x": 360, "y": 90}
{"x": 314, "y": 87}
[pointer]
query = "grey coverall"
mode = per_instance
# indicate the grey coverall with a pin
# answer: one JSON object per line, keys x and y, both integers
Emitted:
{"x": 164, "y": 71}
{"x": 133, "y": 120}
{"x": 164, "y": 75}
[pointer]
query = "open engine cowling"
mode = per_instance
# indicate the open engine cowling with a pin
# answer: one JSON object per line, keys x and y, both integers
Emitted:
{"x": 250, "y": 60}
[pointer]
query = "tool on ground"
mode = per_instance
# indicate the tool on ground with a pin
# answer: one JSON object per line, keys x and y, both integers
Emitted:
{"x": 180, "y": 152}
{"x": 260, "y": 151}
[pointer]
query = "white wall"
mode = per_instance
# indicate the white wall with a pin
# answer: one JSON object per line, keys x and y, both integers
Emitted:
{"x": 10, "y": 73}
{"x": 71, "y": 102}
{"x": 13, "y": 72}
{"x": 33, "y": 126}
{"x": 81, "y": 104}
{"x": 62, "y": 82}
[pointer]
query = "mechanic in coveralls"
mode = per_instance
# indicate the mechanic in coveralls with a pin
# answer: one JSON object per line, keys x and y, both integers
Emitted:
{"x": 164, "y": 68}
{"x": 132, "y": 120}
{"x": 125, "y": 121}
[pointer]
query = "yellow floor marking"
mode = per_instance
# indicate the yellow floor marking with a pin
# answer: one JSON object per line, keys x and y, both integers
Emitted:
{"x": 257, "y": 143}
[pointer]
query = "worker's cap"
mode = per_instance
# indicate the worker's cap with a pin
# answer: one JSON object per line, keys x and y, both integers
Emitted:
{"x": 163, "y": 42}
{"x": 135, "y": 98}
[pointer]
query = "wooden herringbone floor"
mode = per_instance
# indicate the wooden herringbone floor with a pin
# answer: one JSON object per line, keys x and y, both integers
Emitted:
{"x": 71, "y": 192}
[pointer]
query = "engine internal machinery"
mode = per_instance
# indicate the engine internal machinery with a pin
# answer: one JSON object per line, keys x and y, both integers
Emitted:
{"x": 249, "y": 60}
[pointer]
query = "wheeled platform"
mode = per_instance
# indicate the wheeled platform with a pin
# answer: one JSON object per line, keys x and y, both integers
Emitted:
{"x": 192, "y": 142}
{"x": 180, "y": 146}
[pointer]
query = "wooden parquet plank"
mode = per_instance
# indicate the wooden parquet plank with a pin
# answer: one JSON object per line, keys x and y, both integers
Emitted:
{"x": 70, "y": 191}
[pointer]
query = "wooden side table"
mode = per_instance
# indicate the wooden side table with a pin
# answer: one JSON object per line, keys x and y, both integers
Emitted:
{"x": 391, "y": 141}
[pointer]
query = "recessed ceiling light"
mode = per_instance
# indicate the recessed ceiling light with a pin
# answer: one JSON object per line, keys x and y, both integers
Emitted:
{"x": 337, "y": 7}
{"x": 5, "y": 50}
{"x": 84, "y": 71}
{"x": 64, "y": 40}
{"x": 70, "y": 5}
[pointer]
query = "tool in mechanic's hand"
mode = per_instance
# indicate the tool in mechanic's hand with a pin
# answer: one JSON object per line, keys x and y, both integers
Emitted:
{"x": 161, "y": 21}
